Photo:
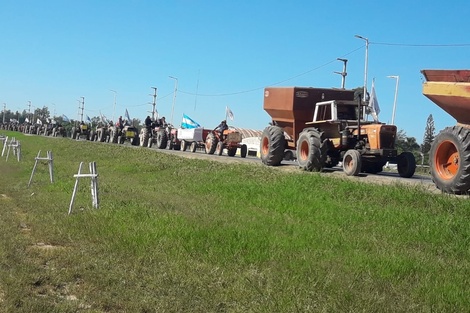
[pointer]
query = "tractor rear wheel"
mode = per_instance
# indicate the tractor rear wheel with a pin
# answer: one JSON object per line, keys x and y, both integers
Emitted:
{"x": 144, "y": 137}
{"x": 162, "y": 139}
{"x": 309, "y": 155}
{"x": 243, "y": 151}
{"x": 450, "y": 160}
{"x": 136, "y": 140}
{"x": 352, "y": 162}
{"x": 272, "y": 145}
{"x": 73, "y": 133}
{"x": 220, "y": 148}
{"x": 211, "y": 143}
{"x": 406, "y": 164}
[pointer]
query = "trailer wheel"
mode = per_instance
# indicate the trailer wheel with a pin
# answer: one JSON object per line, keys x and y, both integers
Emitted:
{"x": 243, "y": 151}
{"x": 211, "y": 143}
{"x": 220, "y": 148}
{"x": 308, "y": 152}
{"x": 406, "y": 164}
{"x": 352, "y": 162}
{"x": 144, "y": 137}
{"x": 184, "y": 145}
{"x": 272, "y": 145}
{"x": 193, "y": 146}
{"x": 450, "y": 160}
{"x": 232, "y": 151}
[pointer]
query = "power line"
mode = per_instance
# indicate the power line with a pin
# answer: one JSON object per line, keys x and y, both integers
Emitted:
{"x": 273, "y": 84}
{"x": 420, "y": 45}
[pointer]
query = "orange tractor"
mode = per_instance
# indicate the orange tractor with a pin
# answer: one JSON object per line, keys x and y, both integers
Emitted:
{"x": 230, "y": 140}
{"x": 321, "y": 127}
{"x": 449, "y": 157}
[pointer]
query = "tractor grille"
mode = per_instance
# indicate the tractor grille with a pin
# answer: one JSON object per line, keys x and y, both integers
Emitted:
{"x": 387, "y": 140}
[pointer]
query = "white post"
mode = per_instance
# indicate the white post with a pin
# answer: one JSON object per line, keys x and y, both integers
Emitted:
{"x": 395, "y": 98}
{"x": 5, "y": 142}
{"x": 49, "y": 159}
{"x": 94, "y": 185}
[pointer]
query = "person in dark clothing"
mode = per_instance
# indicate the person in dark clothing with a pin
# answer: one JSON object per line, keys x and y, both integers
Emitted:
{"x": 148, "y": 122}
{"x": 221, "y": 127}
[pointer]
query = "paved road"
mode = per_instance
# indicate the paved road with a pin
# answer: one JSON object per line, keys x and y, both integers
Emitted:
{"x": 386, "y": 177}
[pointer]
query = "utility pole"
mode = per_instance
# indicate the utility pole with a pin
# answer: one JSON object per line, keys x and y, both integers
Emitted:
{"x": 4, "y": 112}
{"x": 365, "y": 65}
{"x": 174, "y": 98}
{"x": 343, "y": 73}
{"x": 114, "y": 107}
{"x": 154, "y": 104}
{"x": 29, "y": 112}
{"x": 81, "y": 107}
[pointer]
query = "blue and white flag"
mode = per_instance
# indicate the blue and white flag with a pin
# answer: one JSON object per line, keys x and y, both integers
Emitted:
{"x": 65, "y": 118}
{"x": 128, "y": 117}
{"x": 189, "y": 122}
{"x": 88, "y": 119}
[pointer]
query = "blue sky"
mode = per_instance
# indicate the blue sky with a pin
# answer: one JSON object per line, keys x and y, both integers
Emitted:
{"x": 223, "y": 53}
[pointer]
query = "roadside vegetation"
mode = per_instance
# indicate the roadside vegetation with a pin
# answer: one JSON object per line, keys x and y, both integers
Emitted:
{"x": 184, "y": 235}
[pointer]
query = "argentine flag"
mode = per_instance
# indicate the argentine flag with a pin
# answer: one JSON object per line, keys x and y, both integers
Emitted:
{"x": 189, "y": 122}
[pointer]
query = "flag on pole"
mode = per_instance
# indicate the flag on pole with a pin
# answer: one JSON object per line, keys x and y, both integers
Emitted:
{"x": 88, "y": 119}
{"x": 65, "y": 118}
{"x": 103, "y": 118}
{"x": 128, "y": 117}
{"x": 26, "y": 120}
{"x": 229, "y": 113}
{"x": 189, "y": 122}
{"x": 374, "y": 104}
{"x": 38, "y": 121}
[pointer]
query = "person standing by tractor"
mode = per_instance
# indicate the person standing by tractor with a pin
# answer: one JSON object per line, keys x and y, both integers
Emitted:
{"x": 220, "y": 128}
{"x": 148, "y": 122}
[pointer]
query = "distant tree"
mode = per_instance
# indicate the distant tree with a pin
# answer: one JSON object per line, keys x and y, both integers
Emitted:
{"x": 405, "y": 143}
{"x": 429, "y": 135}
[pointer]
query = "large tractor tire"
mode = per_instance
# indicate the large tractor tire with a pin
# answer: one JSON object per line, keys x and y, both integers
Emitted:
{"x": 144, "y": 137}
{"x": 272, "y": 145}
{"x": 211, "y": 143}
{"x": 92, "y": 136}
{"x": 450, "y": 160}
{"x": 113, "y": 136}
{"x": 73, "y": 134}
{"x": 136, "y": 140}
{"x": 352, "y": 163}
{"x": 309, "y": 156}
{"x": 406, "y": 164}
{"x": 162, "y": 139}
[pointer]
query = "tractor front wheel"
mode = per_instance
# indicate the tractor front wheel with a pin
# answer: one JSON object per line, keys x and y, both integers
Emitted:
{"x": 450, "y": 160}
{"x": 352, "y": 163}
{"x": 406, "y": 164}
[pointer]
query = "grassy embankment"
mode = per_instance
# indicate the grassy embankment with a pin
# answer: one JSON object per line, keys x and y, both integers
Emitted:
{"x": 180, "y": 235}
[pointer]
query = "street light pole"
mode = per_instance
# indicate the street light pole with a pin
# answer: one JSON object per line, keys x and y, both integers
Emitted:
{"x": 395, "y": 99}
{"x": 365, "y": 66}
{"x": 114, "y": 107}
{"x": 174, "y": 98}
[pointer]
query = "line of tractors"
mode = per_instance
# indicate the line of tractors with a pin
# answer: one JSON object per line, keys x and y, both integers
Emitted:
{"x": 321, "y": 128}
{"x": 157, "y": 134}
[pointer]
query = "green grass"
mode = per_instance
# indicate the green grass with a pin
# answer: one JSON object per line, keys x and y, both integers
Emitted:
{"x": 182, "y": 235}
